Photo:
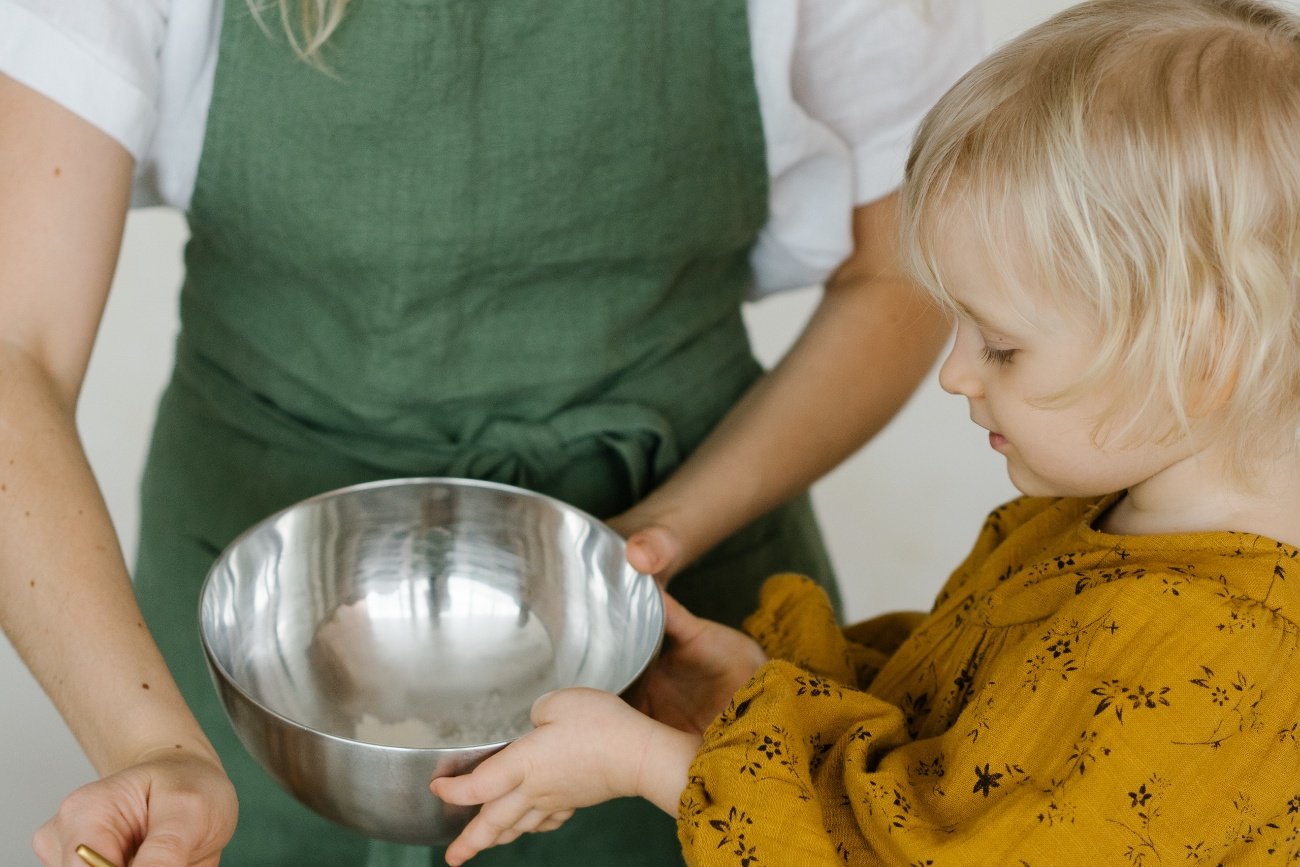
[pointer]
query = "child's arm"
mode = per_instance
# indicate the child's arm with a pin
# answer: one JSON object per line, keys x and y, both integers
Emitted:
{"x": 703, "y": 663}
{"x": 795, "y": 622}
{"x": 588, "y": 747}
{"x": 1103, "y": 733}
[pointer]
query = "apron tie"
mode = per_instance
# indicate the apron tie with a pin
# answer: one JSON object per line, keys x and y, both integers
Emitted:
{"x": 529, "y": 454}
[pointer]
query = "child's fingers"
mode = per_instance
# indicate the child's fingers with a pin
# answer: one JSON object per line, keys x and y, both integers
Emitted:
{"x": 555, "y": 820}
{"x": 679, "y": 624}
{"x": 493, "y": 826}
{"x": 550, "y": 707}
{"x": 509, "y": 835}
{"x": 532, "y": 820}
{"x": 493, "y": 778}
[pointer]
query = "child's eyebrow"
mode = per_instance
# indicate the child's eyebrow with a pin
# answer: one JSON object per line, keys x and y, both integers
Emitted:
{"x": 970, "y": 314}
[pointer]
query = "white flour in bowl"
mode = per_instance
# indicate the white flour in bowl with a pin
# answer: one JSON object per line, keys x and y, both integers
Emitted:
{"x": 486, "y": 720}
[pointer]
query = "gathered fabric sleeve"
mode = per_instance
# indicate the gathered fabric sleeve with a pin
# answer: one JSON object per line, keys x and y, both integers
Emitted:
{"x": 795, "y": 622}
{"x": 1139, "y": 726}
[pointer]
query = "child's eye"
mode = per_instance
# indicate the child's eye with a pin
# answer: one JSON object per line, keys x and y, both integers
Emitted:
{"x": 999, "y": 357}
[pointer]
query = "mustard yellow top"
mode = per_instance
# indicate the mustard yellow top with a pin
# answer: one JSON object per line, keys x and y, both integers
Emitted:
{"x": 1073, "y": 698}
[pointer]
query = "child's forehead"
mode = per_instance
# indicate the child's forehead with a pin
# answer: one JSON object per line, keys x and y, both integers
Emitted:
{"x": 1007, "y": 308}
{"x": 986, "y": 274}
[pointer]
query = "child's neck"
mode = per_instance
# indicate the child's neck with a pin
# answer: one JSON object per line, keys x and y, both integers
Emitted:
{"x": 1198, "y": 495}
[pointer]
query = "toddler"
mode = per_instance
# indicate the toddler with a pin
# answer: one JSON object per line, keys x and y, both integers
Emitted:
{"x": 1110, "y": 206}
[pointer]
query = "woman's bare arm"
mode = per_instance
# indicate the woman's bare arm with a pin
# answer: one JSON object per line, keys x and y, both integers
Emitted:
{"x": 867, "y": 346}
{"x": 65, "y": 596}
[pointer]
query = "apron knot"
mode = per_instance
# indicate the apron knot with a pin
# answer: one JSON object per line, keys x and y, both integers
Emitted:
{"x": 530, "y": 454}
{"x": 508, "y": 451}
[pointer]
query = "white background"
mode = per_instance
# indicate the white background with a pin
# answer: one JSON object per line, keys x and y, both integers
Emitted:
{"x": 898, "y": 515}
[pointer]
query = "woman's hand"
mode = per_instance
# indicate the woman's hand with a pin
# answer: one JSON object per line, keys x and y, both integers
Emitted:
{"x": 700, "y": 669}
{"x": 175, "y": 808}
{"x": 588, "y": 747}
{"x": 653, "y": 546}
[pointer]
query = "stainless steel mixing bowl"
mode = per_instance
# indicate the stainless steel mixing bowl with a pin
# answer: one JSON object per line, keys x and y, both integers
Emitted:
{"x": 371, "y": 638}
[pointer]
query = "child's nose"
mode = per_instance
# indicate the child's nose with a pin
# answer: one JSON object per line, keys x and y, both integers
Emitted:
{"x": 959, "y": 374}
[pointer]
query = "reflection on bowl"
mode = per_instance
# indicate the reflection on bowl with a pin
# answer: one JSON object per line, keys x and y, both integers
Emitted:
{"x": 371, "y": 638}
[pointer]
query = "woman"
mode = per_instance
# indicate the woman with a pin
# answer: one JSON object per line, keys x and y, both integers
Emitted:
{"x": 507, "y": 241}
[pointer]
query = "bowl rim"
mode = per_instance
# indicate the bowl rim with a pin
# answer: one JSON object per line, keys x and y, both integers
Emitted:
{"x": 453, "y": 481}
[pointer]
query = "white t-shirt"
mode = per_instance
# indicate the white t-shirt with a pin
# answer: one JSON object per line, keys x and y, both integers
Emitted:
{"x": 842, "y": 85}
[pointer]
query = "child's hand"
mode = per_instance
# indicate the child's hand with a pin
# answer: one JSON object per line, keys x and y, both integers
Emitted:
{"x": 588, "y": 747}
{"x": 702, "y": 666}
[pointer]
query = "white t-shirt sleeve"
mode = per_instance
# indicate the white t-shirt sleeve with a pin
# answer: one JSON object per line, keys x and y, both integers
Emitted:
{"x": 871, "y": 70}
{"x": 843, "y": 85}
{"x": 99, "y": 59}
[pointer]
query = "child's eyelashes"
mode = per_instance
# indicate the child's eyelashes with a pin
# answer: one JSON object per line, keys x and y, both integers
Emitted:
{"x": 997, "y": 357}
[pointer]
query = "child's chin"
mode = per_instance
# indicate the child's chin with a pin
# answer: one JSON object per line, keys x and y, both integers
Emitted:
{"x": 1035, "y": 486}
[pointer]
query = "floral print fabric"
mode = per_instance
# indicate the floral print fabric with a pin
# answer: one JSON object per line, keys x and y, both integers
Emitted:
{"x": 1073, "y": 698}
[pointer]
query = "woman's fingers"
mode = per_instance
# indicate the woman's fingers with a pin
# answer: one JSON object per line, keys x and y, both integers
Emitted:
{"x": 105, "y": 816}
{"x": 60, "y": 854}
{"x": 641, "y": 554}
{"x": 655, "y": 550}
{"x": 174, "y": 834}
{"x": 175, "y": 811}
{"x": 54, "y": 849}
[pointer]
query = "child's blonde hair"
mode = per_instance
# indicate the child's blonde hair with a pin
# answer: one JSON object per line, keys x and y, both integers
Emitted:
{"x": 1139, "y": 161}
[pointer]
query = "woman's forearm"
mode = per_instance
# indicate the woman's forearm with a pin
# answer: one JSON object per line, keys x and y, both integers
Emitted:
{"x": 868, "y": 345}
{"x": 65, "y": 599}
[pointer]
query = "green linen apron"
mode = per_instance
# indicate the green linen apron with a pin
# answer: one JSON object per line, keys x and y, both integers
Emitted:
{"x": 505, "y": 240}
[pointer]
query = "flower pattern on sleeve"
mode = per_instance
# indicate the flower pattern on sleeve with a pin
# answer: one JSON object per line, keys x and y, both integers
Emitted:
{"x": 1072, "y": 698}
